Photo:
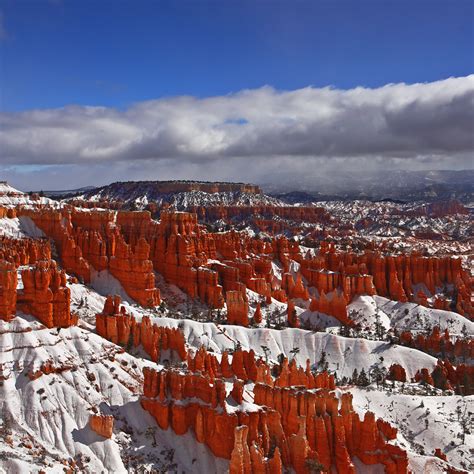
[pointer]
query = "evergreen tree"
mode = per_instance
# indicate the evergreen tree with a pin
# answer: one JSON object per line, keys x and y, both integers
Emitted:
{"x": 355, "y": 377}
{"x": 363, "y": 380}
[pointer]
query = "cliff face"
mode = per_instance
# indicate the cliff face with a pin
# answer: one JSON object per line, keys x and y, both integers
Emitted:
{"x": 103, "y": 425}
{"x": 132, "y": 190}
{"x": 135, "y": 272}
{"x": 45, "y": 295}
{"x": 91, "y": 238}
{"x": 290, "y": 428}
{"x": 121, "y": 328}
{"x": 209, "y": 266}
{"x": 8, "y": 284}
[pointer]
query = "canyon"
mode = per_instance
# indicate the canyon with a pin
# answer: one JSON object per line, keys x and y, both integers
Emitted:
{"x": 212, "y": 328}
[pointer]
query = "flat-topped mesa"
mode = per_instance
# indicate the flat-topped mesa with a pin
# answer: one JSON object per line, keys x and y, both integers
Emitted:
{"x": 119, "y": 327}
{"x": 46, "y": 296}
{"x": 8, "y": 284}
{"x": 168, "y": 187}
{"x": 158, "y": 190}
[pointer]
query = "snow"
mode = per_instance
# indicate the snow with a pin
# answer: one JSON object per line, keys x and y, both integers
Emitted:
{"x": 106, "y": 284}
{"x": 409, "y": 412}
{"x": 20, "y": 227}
{"x": 413, "y": 317}
{"x": 180, "y": 200}
{"x": 11, "y": 197}
{"x": 344, "y": 354}
{"x": 49, "y": 416}
{"x": 52, "y": 412}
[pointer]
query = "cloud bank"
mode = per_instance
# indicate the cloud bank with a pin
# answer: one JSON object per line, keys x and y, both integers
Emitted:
{"x": 250, "y": 134}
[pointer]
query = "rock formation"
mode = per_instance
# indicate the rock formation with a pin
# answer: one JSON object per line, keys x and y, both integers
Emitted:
{"x": 103, "y": 425}
{"x": 8, "y": 284}
{"x": 117, "y": 326}
{"x": 45, "y": 295}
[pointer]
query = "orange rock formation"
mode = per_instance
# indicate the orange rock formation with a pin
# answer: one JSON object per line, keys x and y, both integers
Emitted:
{"x": 103, "y": 425}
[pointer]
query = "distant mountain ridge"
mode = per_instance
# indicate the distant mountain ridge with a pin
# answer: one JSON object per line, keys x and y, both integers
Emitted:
{"x": 181, "y": 195}
{"x": 397, "y": 185}
{"x": 391, "y": 185}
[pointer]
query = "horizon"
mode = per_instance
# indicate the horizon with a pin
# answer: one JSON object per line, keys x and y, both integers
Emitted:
{"x": 263, "y": 186}
{"x": 246, "y": 91}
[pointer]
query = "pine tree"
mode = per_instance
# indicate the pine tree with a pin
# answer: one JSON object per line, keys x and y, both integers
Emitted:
{"x": 363, "y": 380}
{"x": 355, "y": 377}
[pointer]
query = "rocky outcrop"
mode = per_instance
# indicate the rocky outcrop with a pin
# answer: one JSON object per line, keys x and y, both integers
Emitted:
{"x": 397, "y": 372}
{"x": 135, "y": 271}
{"x": 334, "y": 305}
{"x": 8, "y": 284}
{"x": 24, "y": 251}
{"x": 445, "y": 376}
{"x": 299, "y": 424}
{"x": 115, "y": 325}
{"x": 237, "y": 308}
{"x": 86, "y": 238}
{"x": 103, "y": 425}
{"x": 292, "y": 316}
{"x": 46, "y": 296}
{"x": 155, "y": 189}
{"x": 208, "y": 265}
{"x": 440, "y": 344}
{"x": 257, "y": 315}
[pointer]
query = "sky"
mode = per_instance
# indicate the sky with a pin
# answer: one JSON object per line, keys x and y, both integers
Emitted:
{"x": 98, "y": 91}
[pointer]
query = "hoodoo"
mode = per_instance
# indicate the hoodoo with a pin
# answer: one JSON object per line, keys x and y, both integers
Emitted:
{"x": 232, "y": 334}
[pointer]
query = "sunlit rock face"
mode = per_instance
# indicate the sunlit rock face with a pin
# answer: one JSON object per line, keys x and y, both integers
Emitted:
{"x": 247, "y": 336}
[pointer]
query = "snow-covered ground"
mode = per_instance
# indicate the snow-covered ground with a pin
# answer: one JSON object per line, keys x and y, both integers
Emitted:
{"x": 406, "y": 316}
{"x": 48, "y": 417}
{"x": 19, "y": 227}
{"x": 424, "y": 423}
{"x": 44, "y": 421}
{"x": 11, "y": 197}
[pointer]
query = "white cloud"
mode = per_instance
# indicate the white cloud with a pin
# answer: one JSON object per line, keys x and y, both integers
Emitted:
{"x": 253, "y": 129}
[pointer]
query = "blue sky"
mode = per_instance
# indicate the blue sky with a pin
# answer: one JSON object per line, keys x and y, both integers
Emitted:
{"x": 97, "y": 91}
{"x": 114, "y": 53}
